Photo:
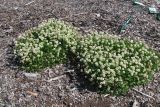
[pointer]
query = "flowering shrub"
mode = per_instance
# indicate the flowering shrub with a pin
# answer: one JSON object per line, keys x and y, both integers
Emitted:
{"x": 115, "y": 64}
{"x": 45, "y": 45}
{"x": 112, "y": 63}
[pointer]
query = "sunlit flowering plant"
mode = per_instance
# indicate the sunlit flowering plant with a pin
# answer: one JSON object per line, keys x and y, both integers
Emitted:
{"x": 45, "y": 45}
{"x": 116, "y": 64}
{"x": 113, "y": 64}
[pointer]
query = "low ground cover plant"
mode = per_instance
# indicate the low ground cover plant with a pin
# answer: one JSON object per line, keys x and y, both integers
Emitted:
{"x": 114, "y": 64}
{"x": 45, "y": 45}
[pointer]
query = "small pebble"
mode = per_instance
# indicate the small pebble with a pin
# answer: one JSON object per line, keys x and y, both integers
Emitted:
{"x": 136, "y": 104}
{"x": 32, "y": 75}
{"x": 98, "y": 15}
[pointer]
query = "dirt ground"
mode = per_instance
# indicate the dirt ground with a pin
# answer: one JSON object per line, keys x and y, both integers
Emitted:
{"x": 60, "y": 86}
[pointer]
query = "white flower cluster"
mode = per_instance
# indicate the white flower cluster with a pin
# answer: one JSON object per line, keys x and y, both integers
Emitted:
{"x": 117, "y": 64}
{"x": 45, "y": 45}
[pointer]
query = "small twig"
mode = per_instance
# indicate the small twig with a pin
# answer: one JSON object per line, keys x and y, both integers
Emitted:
{"x": 143, "y": 93}
{"x": 106, "y": 95}
{"x": 32, "y": 75}
{"x": 138, "y": 3}
{"x": 125, "y": 24}
{"x": 29, "y": 3}
{"x": 32, "y": 93}
{"x": 68, "y": 71}
{"x": 56, "y": 78}
{"x": 73, "y": 89}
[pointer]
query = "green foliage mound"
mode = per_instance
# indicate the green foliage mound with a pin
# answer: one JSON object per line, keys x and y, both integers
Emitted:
{"x": 45, "y": 45}
{"x": 115, "y": 64}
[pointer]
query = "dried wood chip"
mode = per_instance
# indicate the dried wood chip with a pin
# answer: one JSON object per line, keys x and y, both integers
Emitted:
{"x": 56, "y": 78}
{"x": 31, "y": 75}
{"x": 136, "y": 104}
{"x": 136, "y": 2}
{"x": 32, "y": 93}
{"x": 152, "y": 10}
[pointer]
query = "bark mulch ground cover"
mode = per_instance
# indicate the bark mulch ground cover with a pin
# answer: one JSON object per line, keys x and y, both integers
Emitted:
{"x": 61, "y": 86}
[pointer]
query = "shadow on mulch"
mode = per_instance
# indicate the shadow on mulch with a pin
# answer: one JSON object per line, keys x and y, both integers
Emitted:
{"x": 13, "y": 61}
{"x": 82, "y": 80}
{"x": 78, "y": 77}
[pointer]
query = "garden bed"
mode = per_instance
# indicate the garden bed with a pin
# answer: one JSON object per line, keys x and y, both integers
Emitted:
{"x": 61, "y": 86}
